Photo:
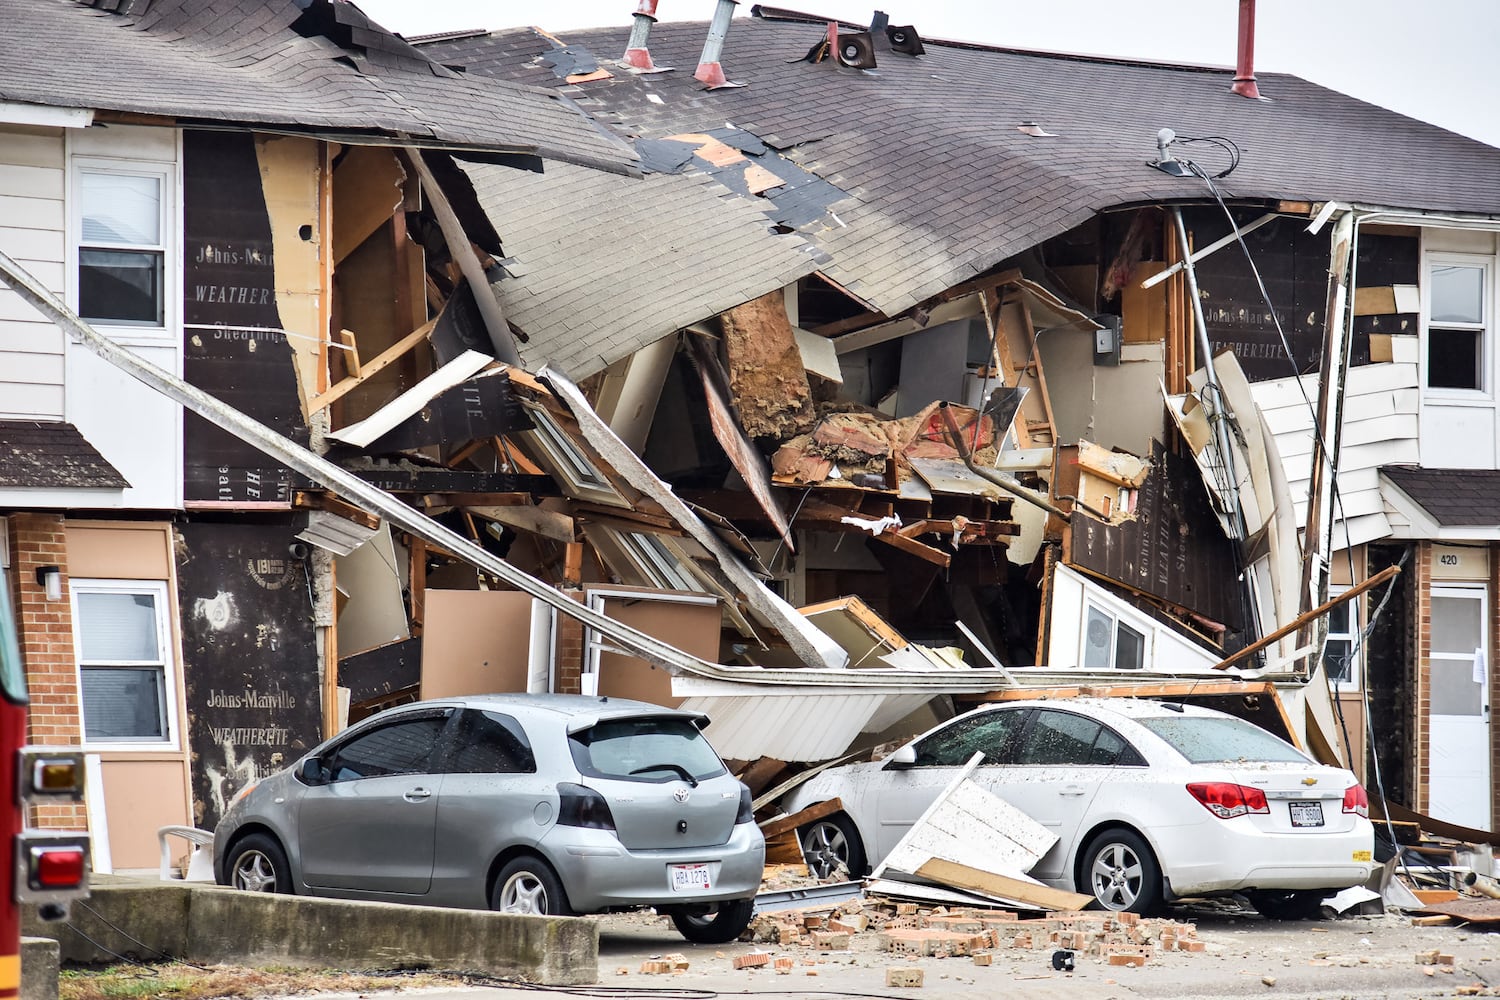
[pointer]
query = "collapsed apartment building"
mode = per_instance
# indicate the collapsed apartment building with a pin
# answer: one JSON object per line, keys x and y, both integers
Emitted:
{"x": 1003, "y": 367}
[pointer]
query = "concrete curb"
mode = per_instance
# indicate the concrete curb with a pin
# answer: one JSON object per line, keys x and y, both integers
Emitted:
{"x": 209, "y": 924}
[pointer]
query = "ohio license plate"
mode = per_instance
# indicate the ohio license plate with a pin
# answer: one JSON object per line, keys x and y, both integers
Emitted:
{"x": 1307, "y": 813}
{"x": 693, "y": 878}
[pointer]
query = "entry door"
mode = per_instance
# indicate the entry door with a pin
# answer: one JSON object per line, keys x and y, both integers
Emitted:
{"x": 1459, "y": 787}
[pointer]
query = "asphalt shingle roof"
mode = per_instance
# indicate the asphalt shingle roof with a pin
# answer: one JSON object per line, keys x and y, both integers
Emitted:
{"x": 1454, "y": 497}
{"x": 609, "y": 264}
{"x": 37, "y": 454}
{"x": 942, "y": 184}
{"x": 242, "y": 61}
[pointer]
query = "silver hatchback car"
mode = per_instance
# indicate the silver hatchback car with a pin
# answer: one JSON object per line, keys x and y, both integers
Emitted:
{"x": 542, "y": 804}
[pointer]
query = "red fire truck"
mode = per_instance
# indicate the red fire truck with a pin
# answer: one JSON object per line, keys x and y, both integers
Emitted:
{"x": 48, "y": 868}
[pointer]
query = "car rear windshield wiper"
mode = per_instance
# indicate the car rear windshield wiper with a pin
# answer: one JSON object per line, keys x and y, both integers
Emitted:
{"x": 678, "y": 768}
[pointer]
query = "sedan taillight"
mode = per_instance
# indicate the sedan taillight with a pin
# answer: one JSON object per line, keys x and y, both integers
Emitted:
{"x": 1356, "y": 801}
{"x": 1227, "y": 800}
{"x": 579, "y": 805}
{"x": 747, "y": 807}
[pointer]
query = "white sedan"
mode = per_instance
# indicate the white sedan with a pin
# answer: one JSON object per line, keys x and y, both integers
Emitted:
{"x": 1150, "y": 801}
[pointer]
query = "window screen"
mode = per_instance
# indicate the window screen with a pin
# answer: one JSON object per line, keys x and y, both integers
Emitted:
{"x": 121, "y": 252}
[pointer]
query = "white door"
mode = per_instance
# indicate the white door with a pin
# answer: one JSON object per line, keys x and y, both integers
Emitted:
{"x": 1459, "y": 786}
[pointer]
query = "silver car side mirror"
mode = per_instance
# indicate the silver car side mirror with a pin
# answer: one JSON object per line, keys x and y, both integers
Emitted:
{"x": 902, "y": 759}
{"x": 312, "y": 771}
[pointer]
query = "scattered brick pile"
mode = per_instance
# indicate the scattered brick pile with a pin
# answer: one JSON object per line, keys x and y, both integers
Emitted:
{"x": 908, "y": 930}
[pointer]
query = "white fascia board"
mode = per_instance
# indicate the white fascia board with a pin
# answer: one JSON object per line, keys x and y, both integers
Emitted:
{"x": 1423, "y": 525}
{"x": 44, "y": 115}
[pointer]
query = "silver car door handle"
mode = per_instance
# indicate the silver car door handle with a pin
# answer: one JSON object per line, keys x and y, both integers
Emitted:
{"x": 417, "y": 795}
{"x": 1071, "y": 790}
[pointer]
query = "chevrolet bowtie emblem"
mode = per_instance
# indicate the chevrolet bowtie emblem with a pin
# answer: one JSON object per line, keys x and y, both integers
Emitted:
{"x": 1309, "y": 781}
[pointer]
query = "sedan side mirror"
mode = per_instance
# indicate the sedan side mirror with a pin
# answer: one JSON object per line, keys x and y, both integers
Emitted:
{"x": 902, "y": 759}
{"x": 312, "y": 771}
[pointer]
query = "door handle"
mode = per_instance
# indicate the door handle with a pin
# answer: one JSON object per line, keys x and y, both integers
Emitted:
{"x": 417, "y": 795}
{"x": 1072, "y": 790}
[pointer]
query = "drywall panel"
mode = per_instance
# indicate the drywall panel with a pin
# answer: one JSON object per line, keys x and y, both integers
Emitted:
{"x": 933, "y": 364}
{"x": 374, "y": 613}
{"x": 1068, "y": 364}
{"x": 1128, "y": 412}
{"x": 473, "y": 642}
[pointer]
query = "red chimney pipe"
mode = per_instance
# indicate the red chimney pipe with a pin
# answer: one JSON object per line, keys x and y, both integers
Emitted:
{"x": 709, "y": 71}
{"x": 635, "y": 50}
{"x": 1244, "y": 67}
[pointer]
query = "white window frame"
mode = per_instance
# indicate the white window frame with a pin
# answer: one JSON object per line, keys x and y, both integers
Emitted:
{"x": 167, "y": 174}
{"x": 1354, "y": 637}
{"x": 157, "y": 589}
{"x": 1116, "y": 621}
{"x": 1487, "y": 329}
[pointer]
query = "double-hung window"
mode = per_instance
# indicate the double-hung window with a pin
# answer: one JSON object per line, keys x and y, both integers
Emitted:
{"x": 1458, "y": 324}
{"x": 122, "y": 232}
{"x": 1342, "y": 651}
{"x": 124, "y": 676}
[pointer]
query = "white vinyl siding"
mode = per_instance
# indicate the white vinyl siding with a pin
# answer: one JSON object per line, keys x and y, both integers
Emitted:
{"x": 33, "y": 227}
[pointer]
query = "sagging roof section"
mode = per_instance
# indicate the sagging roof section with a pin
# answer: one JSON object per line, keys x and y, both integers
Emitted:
{"x": 646, "y": 259}
{"x": 945, "y": 178}
{"x": 314, "y": 66}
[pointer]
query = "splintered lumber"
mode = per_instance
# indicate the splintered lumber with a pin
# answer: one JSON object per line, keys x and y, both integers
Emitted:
{"x": 959, "y": 876}
{"x": 783, "y": 824}
{"x": 767, "y": 380}
{"x": 379, "y": 363}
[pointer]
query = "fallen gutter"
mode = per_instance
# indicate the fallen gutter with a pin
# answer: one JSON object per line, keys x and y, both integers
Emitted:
{"x": 378, "y": 501}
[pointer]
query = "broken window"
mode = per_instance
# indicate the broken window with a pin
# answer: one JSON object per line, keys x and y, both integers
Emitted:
{"x": 953, "y": 745}
{"x": 1109, "y": 643}
{"x": 1059, "y": 738}
{"x": 121, "y": 634}
{"x": 122, "y": 245}
{"x": 1457, "y": 330}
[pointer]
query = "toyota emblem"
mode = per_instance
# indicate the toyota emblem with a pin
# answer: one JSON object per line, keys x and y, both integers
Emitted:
{"x": 681, "y": 794}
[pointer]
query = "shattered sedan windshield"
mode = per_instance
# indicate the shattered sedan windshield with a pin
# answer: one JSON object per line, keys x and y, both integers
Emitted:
{"x": 1208, "y": 740}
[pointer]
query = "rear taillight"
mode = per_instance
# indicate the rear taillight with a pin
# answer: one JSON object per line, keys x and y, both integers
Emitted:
{"x": 1356, "y": 801}
{"x": 1227, "y": 800}
{"x": 579, "y": 805}
{"x": 747, "y": 807}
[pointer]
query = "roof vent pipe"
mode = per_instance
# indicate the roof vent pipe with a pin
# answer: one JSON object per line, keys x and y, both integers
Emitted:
{"x": 635, "y": 50}
{"x": 709, "y": 70}
{"x": 1244, "y": 66}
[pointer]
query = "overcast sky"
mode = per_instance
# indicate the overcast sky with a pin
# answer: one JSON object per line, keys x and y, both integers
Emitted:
{"x": 1431, "y": 59}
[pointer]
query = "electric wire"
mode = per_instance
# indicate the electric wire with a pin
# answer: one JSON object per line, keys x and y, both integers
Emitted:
{"x": 1335, "y": 494}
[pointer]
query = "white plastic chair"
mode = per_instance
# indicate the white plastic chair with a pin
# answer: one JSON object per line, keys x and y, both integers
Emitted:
{"x": 200, "y": 867}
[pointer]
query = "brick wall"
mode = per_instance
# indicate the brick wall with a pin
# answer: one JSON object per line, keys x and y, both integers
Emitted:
{"x": 46, "y": 636}
{"x": 568, "y": 654}
{"x": 1421, "y": 757}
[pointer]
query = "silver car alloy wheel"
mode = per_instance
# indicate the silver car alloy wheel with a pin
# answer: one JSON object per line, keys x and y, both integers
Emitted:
{"x": 826, "y": 848}
{"x": 254, "y": 872}
{"x": 1116, "y": 876}
{"x": 524, "y": 893}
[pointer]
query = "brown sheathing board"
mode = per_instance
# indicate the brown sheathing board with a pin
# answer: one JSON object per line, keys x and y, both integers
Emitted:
{"x": 1173, "y": 548}
{"x": 767, "y": 382}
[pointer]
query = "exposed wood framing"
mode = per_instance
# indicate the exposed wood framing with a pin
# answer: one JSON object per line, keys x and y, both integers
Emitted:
{"x": 1307, "y": 616}
{"x": 304, "y": 500}
{"x": 468, "y": 261}
{"x": 379, "y": 363}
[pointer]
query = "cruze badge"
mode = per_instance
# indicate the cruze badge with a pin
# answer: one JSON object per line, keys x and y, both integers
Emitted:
{"x": 681, "y": 794}
{"x": 1309, "y": 781}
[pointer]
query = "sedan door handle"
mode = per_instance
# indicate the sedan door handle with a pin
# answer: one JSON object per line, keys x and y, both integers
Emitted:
{"x": 417, "y": 795}
{"x": 1071, "y": 790}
